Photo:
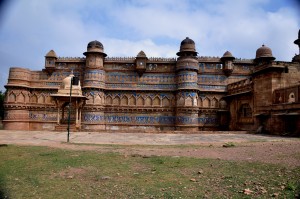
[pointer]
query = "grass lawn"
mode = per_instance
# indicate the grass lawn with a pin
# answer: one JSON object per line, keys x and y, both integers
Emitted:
{"x": 42, "y": 172}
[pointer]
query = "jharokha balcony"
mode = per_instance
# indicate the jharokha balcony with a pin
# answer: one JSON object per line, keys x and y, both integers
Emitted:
{"x": 240, "y": 87}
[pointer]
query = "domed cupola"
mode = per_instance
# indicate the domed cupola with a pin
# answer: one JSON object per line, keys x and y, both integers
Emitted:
{"x": 94, "y": 55}
{"x": 264, "y": 53}
{"x": 51, "y": 53}
{"x": 227, "y": 60}
{"x": 187, "y": 56}
{"x": 95, "y": 47}
{"x": 227, "y": 56}
{"x": 187, "y": 47}
{"x": 65, "y": 86}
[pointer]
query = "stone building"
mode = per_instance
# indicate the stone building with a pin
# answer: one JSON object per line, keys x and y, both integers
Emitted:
{"x": 188, "y": 93}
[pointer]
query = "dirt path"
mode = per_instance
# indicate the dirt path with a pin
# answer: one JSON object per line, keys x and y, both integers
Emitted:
{"x": 251, "y": 148}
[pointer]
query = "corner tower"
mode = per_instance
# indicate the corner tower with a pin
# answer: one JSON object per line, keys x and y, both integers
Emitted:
{"x": 187, "y": 87}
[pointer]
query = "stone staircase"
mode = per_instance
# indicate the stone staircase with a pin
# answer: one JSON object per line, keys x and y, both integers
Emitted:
{"x": 64, "y": 127}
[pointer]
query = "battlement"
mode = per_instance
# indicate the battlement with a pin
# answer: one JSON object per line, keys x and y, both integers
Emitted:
{"x": 208, "y": 59}
{"x": 59, "y": 59}
{"x": 120, "y": 59}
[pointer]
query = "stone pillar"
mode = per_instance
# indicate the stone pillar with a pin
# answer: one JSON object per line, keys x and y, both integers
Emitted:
{"x": 76, "y": 115}
{"x": 58, "y": 118}
{"x": 63, "y": 112}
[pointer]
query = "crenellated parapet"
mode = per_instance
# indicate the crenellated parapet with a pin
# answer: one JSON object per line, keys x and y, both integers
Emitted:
{"x": 161, "y": 59}
{"x": 70, "y": 59}
{"x": 208, "y": 59}
{"x": 120, "y": 59}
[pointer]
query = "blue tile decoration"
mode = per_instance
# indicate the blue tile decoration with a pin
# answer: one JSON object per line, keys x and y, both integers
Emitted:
{"x": 149, "y": 119}
{"x": 33, "y": 116}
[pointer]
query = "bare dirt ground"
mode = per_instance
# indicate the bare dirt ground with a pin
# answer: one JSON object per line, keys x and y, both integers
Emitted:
{"x": 246, "y": 147}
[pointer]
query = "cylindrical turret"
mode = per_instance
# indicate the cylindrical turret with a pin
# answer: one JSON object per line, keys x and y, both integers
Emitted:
{"x": 94, "y": 76}
{"x": 93, "y": 87}
{"x": 16, "y": 100}
{"x": 187, "y": 65}
{"x": 187, "y": 78}
{"x": 94, "y": 55}
{"x": 19, "y": 77}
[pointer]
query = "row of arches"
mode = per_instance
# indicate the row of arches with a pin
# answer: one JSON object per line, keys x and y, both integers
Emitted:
{"x": 124, "y": 100}
{"x": 130, "y": 100}
{"x": 27, "y": 97}
{"x": 205, "y": 102}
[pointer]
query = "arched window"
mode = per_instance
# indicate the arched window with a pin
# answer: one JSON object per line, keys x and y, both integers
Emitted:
{"x": 165, "y": 102}
{"x": 116, "y": 100}
{"x": 124, "y": 100}
{"x": 132, "y": 101}
{"x": 108, "y": 100}
{"x": 148, "y": 101}
{"x": 156, "y": 101}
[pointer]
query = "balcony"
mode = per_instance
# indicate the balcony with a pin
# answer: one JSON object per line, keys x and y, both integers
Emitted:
{"x": 240, "y": 87}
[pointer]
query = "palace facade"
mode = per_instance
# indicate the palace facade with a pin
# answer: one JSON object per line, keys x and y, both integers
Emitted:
{"x": 188, "y": 93}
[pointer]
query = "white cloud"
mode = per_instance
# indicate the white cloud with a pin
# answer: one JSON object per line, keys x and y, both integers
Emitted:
{"x": 129, "y": 48}
{"x": 31, "y": 28}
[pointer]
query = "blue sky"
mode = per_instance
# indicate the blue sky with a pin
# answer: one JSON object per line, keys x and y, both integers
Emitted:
{"x": 29, "y": 29}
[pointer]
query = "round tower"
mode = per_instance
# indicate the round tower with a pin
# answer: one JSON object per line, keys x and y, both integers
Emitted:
{"x": 93, "y": 87}
{"x": 187, "y": 78}
{"x": 17, "y": 99}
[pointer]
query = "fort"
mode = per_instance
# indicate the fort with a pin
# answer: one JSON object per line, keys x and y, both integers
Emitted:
{"x": 189, "y": 93}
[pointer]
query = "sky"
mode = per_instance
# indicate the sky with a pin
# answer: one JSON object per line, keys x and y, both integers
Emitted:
{"x": 30, "y": 28}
